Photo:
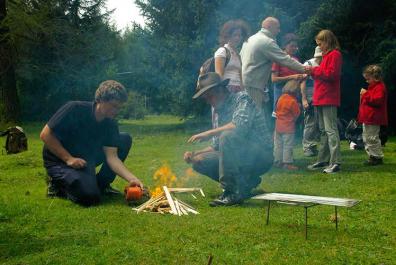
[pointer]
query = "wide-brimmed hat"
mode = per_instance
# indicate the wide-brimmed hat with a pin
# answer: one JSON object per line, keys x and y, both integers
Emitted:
{"x": 208, "y": 81}
{"x": 318, "y": 52}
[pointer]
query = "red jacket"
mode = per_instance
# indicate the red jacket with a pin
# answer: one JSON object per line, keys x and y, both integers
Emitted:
{"x": 327, "y": 78}
{"x": 287, "y": 112}
{"x": 373, "y": 109}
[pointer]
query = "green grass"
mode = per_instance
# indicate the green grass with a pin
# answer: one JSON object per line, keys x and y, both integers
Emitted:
{"x": 38, "y": 230}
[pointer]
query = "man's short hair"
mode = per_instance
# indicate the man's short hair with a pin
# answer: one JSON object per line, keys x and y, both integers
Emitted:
{"x": 111, "y": 90}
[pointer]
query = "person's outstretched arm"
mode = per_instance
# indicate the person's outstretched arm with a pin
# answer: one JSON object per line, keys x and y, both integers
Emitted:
{"x": 119, "y": 168}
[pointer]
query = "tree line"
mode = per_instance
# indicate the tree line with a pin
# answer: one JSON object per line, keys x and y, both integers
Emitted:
{"x": 53, "y": 51}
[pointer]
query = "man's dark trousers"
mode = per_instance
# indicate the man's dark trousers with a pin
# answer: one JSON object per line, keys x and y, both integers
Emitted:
{"x": 83, "y": 186}
{"x": 238, "y": 164}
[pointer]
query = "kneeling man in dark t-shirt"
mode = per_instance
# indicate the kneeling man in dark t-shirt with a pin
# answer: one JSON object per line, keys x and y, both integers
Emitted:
{"x": 82, "y": 135}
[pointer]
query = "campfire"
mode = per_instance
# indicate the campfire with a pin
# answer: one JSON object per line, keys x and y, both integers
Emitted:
{"x": 163, "y": 199}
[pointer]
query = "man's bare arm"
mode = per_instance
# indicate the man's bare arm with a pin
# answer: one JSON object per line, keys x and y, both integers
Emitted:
{"x": 210, "y": 133}
{"x": 119, "y": 168}
{"x": 55, "y": 146}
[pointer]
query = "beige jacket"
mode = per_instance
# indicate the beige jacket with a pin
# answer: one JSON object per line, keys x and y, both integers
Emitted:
{"x": 257, "y": 54}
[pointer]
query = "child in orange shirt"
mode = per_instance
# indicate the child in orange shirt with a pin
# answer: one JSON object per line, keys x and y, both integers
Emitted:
{"x": 287, "y": 112}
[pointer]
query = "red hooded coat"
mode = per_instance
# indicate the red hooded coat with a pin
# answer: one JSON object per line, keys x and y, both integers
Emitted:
{"x": 373, "y": 109}
{"x": 327, "y": 78}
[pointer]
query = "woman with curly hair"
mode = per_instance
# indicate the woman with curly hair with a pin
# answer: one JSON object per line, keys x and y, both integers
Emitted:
{"x": 227, "y": 60}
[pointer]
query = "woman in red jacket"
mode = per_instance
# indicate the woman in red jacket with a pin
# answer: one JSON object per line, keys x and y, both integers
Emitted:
{"x": 373, "y": 113}
{"x": 326, "y": 99}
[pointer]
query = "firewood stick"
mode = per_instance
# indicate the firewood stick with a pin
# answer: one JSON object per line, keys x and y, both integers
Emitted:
{"x": 189, "y": 208}
{"x": 170, "y": 200}
{"x": 149, "y": 202}
{"x": 183, "y": 209}
{"x": 179, "y": 213}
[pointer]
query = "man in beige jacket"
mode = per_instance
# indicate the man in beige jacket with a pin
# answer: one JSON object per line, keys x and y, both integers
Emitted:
{"x": 257, "y": 54}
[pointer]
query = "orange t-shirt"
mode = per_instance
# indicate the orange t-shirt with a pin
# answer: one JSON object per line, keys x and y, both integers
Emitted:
{"x": 287, "y": 112}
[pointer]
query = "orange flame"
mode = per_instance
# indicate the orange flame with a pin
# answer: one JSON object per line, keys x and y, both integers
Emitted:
{"x": 163, "y": 177}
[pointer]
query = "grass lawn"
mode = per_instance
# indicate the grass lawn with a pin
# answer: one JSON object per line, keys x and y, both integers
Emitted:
{"x": 37, "y": 230}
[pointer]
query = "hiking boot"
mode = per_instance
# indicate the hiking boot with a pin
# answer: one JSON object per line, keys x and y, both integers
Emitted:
{"x": 332, "y": 169}
{"x": 227, "y": 200}
{"x": 289, "y": 167}
{"x": 317, "y": 165}
{"x": 111, "y": 191}
{"x": 373, "y": 161}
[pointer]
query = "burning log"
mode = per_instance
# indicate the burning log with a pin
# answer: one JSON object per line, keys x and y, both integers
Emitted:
{"x": 165, "y": 203}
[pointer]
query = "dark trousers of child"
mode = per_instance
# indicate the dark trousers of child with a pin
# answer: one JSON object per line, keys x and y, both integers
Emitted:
{"x": 84, "y": 186}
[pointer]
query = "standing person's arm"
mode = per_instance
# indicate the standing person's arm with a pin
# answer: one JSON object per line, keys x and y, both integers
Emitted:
{"x": 376, "y": 96}
{"x": 119, "y": 168}
{"x": 276, "y": 54}
{"x": 220, "y": 61}
{"x": 56, "y": 147}
{"x": 304, "y": 100}
{"x": 331, "y": 70}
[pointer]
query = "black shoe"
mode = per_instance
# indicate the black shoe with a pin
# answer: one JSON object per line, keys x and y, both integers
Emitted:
{"x": 317, "y": 165}
{"x": 53, "y": 191}
{"x": 332, "y": 169}
{"x": 227, "y": 200}
{"x": 373, "y": 161}
{"x": 111, "y": 191}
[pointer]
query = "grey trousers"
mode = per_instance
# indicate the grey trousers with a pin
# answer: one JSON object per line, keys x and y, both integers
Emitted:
{"x": 283, "y": 147}
{"x": 329, "y": 150}
{"x": 372, "y": 142}
{"x": 237, "y": 165}
{"x": 311, "y": 135}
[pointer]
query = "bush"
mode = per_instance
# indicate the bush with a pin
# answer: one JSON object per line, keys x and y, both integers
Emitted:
{"x": 134, "y": 108}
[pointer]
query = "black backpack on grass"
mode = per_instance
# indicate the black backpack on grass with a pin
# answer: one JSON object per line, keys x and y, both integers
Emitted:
{"x": 16, "y": 141}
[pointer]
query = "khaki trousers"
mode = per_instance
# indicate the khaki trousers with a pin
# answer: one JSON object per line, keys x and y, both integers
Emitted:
{"x": 372, "y": 142}
{"x": 283, "y": 147}
{"x": 329, "y": 150}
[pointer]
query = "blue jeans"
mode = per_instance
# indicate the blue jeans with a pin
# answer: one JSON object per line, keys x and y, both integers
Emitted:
{"x": 83, "y": 186}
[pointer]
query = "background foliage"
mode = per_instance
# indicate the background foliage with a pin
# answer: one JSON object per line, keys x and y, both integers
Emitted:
{"x": 62, "y": 49}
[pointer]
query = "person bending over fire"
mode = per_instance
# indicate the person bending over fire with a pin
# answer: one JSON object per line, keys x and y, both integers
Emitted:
{"x": 82, "y": 135}
{"x": 243, "y": 151}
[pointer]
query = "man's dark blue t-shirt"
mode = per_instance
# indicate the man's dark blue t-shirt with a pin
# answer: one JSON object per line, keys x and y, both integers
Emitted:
{"x": 75, "y": 126}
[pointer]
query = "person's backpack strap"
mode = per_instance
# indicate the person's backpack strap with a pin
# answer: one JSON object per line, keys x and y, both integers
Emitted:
{"x": 228, "y": 56}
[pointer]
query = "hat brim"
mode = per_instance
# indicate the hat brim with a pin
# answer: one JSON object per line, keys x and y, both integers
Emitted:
{"x": 202, "y": 91}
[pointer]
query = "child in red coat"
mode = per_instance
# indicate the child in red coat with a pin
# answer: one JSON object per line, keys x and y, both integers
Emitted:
{"x": 373, "y": 113}
{"x": 287, "y": 112}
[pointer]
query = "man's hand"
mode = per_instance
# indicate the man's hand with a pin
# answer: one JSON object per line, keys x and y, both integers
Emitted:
{"x": 188, "y": 156}
{"x": 133, "y": 182}
{"x": 76, "y": 163}
{"x": 308, "y": 69}
{"x": 199, "y": 137}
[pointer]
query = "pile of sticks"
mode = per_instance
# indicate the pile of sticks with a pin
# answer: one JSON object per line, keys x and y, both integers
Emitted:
{"x": 166, "y": 203}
